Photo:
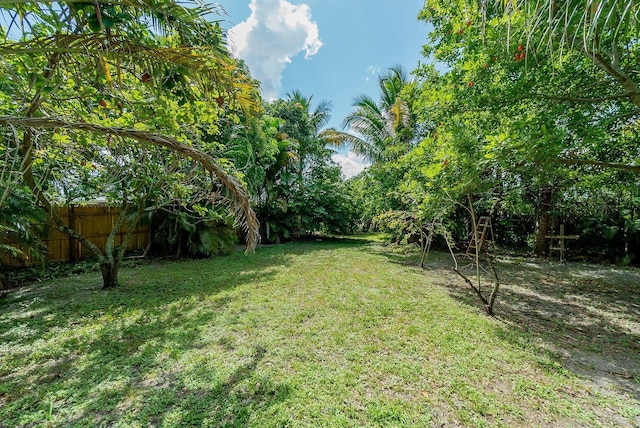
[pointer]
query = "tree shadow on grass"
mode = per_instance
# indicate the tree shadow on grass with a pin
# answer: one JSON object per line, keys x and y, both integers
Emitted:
{"x": 147, "y": 351}
{"x": 585, "y": 317}
{"x": 587, "y": 314}
{"x": 37, "y": 308}
{"x": 167, "y": 347}
{"x": 194, "y": 396}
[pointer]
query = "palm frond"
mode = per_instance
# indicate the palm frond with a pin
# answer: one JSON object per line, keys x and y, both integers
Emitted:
{"x": 399, "y": 116}
{"x": 13, "y": 251}
{"x": 357, "y": 145}
{"x": 164, "y": 14}
{"x": 238, "y": 201}
{"x": 297, "y": 97}
{"x": 321, "y": 115}
{"x": 374, "y": 126}
{"x": 582, "y": 23}
{"x": 370, "y": 124}
{"x": 210, "y": 64}
{"x": 391, "y": 84}
{"x": 365, "y": 102}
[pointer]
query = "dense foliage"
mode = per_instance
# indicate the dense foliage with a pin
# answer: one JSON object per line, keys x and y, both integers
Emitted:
{"x": 303, "y": 191}
{"x": 123, "y": 102}
{"x": 535, "y": 121}
{"x": 142, "y": 106}
{"x": 528, "y": 111}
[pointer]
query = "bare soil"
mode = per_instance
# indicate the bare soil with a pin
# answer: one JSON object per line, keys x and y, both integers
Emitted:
{"x": 587, "y": 315}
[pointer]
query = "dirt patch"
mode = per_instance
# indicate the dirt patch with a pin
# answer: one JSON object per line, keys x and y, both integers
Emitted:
{"x": 585, "y": 315}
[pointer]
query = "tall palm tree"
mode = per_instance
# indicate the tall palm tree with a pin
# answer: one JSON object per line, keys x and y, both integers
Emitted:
{"x": 375, "y": 126}
{"x": 310, "y": 139}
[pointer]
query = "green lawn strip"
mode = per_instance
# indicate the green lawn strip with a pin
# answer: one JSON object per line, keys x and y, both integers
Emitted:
{"x": 344, "y": 333}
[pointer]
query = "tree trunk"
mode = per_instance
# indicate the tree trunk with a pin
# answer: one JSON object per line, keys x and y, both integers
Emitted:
{"x": 109, "y": 274}
{"x": 541, "y": 247}
{"x": 4, "y": 286}
{"x": 111, "y": 266}
{"x": 267, "y": 231}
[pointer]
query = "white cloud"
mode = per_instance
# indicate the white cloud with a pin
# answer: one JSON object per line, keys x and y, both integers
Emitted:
{"x": 372, "y": 71}
{"x": 272, "y": 35}
{"x": 351, "y": 164}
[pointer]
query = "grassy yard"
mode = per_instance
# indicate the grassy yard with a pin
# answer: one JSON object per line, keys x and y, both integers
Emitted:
{"x": 334, "y": 333}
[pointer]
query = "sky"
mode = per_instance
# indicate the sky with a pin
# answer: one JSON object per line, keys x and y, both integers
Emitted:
{"x": 332, "y": 50}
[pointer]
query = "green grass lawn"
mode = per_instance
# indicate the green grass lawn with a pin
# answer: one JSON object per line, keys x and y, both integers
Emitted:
{"x": 334, "y": 333}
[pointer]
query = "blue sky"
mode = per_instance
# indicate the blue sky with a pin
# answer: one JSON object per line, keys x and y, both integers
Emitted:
{"x": 330, "y": 49}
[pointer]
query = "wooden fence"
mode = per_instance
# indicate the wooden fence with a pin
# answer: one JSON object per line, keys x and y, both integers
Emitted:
{"x": 94, "y": 222}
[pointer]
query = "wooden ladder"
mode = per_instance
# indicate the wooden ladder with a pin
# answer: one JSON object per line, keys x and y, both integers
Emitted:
{"x": 484, "y": 231}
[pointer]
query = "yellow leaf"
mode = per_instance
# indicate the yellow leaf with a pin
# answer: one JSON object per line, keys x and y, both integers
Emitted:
{"x": 107, "y": 72}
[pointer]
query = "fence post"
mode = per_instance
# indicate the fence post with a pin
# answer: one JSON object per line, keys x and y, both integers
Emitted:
{"x": 73, "y": 253}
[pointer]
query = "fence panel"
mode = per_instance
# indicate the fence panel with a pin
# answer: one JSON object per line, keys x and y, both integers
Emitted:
{"x": 94, "y": 222}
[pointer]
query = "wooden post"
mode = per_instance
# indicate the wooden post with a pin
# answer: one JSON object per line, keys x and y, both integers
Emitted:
{"x": 562, "y": 243}
{"x": 561, "y": 237}
{"x": 73, "y": 253}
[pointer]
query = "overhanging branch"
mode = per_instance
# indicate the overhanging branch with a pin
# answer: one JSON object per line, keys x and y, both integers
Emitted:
{"x": 576, "y": 99}
{"x": 240, "y": 205}
{"x": 608, "y": 165}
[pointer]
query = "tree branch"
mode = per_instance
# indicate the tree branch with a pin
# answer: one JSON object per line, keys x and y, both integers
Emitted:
{"x": 27, "y": 173}
{"x": 108, "y": 250}
{"x": 496, "y": 286}
{"x": 617, "y": 73}
{"x": 473, "y": 287}
{"x": 240, "y": 206}
{"x": 610, "y": 165}
{"x": 582, "y": 100}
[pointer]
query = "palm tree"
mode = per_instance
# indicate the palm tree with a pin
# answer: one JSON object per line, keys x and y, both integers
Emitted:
{"x": 376, "y": 127}
{"x": 310, "y": 138}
